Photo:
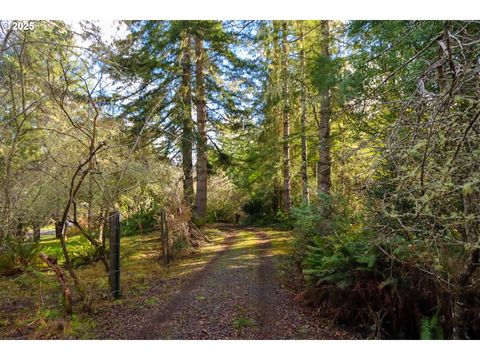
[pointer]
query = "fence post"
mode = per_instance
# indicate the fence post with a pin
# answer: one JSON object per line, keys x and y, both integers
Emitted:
{"x": 114, "y": 275}
{"x": 164, "y": 236}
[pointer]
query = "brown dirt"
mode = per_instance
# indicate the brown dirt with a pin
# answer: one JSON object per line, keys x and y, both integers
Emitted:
{"x": 238, "y": 294}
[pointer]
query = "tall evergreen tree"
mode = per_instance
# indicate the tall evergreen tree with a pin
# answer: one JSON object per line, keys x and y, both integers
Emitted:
{"x": 173, "y": 70}
{"x": 187, "y": 125}
{"x": 303, "y": 115}
{"x": 324, "y": 148}
{"x": 201, "y": 195}
{"x": 287, "y": 200}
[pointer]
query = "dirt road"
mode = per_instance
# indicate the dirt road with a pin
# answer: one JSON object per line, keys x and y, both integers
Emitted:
{"x": 239, "y": 293}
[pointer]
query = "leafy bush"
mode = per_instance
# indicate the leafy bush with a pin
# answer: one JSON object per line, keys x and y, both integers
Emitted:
{"x": 224, "y": 199}
{"x": 17, "y": 256}
{"x": 263, "y": 209}
{"x": 331, "y": 260}
{"x": 85, "y": 254}
{"x": 140, "y": 222}
{"x": 323, "y": 216}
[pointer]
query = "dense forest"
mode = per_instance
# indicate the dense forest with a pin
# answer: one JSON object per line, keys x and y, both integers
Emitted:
{"x": 355, "y": 145}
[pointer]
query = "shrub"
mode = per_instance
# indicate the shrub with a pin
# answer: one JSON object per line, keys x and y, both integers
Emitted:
{"x": 334, "y": 260}
{"x": 361, "y": 276}
{"x": 17, "y": 256}
{"x": 264, "y": 209}
{"x": 138, "y": 223}
{"x": 260, "y": 208}
{"x": 85, "y": 254}
{"x": 224, "y": 199}
{"x": 323, "y": 216}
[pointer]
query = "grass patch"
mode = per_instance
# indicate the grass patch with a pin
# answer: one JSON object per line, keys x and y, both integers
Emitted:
{"x": 80, "y": 327}
{"x": 282, "y": 241}
{"x": 52, "y": 246}
{"x": 30, "y": 304}
{"x": 22, "y": 296}
{"x": 242, "y": 322}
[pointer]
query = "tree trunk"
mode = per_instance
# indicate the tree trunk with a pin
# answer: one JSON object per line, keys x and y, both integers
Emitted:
{"x": 75, "y": 185}
{"x": 19, "y": 231}
{"x": 58, "y": 229}
{"x": 286, "y": 123}
{"x": 101, "y": 239}
{"x": 68, "y": 263}
{"x": 186, "y": 111}
{"x": 36, "y": 233}
{"x": 62, "y": 280}
{"x": 303, "y": 118}
{"x": 91, "y": 167}
{"x": 275, "y": 129}
{"x": 90, "y": 224}
{"x": 6, "y": 229}
{"x": 201, "y": 196}
{"x": 324, "y": 162}
{"x": 101, "y": 226}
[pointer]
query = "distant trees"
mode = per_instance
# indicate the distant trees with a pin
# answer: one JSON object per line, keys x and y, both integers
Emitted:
{"x": 25, "y": 101}
{"x": 297, "y": 110}
{"x": 181, "y": 69}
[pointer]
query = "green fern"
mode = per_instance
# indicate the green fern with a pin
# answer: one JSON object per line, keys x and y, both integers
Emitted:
{"x": 425, "y": 329}
{"x": 17, "y": 256}
{"x": 431, "y": 329}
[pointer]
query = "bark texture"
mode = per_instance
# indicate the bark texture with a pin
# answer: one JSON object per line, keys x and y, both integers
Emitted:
{"x": 303, "y": 118}
{"x": 62, "y": 280}
{"x": 286, "y": 123}
{"x": 201, "y": 195}
{"x": 324, "y": 149}
{"x": 187, "y": 126}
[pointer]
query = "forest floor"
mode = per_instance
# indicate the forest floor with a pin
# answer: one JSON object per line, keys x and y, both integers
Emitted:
{"x": 242, "y": 285}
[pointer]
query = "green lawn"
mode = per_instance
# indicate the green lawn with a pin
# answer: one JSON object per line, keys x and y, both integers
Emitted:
{"x": 133, "y": 246}
{"x": 51, "y": 246}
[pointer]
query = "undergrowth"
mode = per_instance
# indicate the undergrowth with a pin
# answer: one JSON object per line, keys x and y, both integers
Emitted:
{"x": 361, "y": 277}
